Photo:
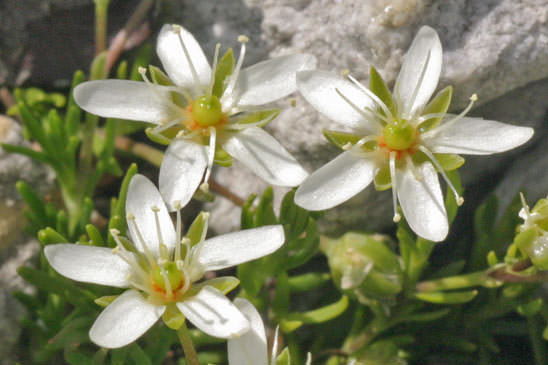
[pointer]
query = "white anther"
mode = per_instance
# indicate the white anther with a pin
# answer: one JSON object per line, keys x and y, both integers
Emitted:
{"x": 204, "y": 187}
{"x": 347, "y": 146}
{"x": 474, "y": 97}
{"x": 130, "y": 216}
{"x": 176, "y": 28}
{"x": 243, "y": 38}
{"x": 345, "y": 72}
{"x": 142, "y": 70}
{"x": 155, "y": 209}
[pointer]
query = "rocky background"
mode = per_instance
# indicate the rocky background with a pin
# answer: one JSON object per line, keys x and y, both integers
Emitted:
{"x": 497, "y": 49}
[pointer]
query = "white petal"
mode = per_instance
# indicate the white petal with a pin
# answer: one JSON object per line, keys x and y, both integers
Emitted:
{"x": 173, "y": 58}
{"x": 213, "y": 313}
{"x": 476, "y": 136}
{"x": 265, "y": 156}
{"x": 336, "y": 182}
{"x": 142, "y": 195}
{"x": 319, "y": 88}
{"x": 237, "y": 247}
{"x": 271, "y": 80}
{"x": 251, "y": 348}
{"x": 422, "y": 202}
{"x": 181, "y": 171}
{"x": 124, "y": 320}
{"x": 97, "y": 265}
{"x": 415, "y": 84}
{"x": 124, "y": 99}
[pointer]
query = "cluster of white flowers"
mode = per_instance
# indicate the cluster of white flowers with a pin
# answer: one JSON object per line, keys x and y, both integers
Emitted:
{"x": 211, "y": 114}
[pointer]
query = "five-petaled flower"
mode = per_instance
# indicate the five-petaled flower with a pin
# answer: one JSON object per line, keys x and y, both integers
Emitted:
{"x": 161, "y": 270}
{"x": 206, "y": 114}
{"x": 399, "y": 140}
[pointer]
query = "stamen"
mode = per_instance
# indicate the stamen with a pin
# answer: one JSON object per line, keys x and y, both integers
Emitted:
{"x": 372, "y": 95}
{"x": 459, "y": 199}
{"x": 210, "y": 156}
{"x": 292, "y": 102}
{"x": 177, "y": 29}
{"x": 359, "y": 110}
{"x": 347, "y": 146}
{"x": 146, "y": 251}
{"x": 413, "y": 168}
{"x": 186, "y": 279}
{"x": 424, "y": 117}
{"x": 155, "y": 209}
{"x": 214, "y": 69}
{"x": 392, "y": 165}
{"x": 153, "y": 87}
{"x": 450, "y": 122}
{"x": 206, "y": 226}
{"x": 159, "y": 129}
{"x": 177, "y": 206}
{"x": 417, "y": 86}
{"x": 236, "y": 73}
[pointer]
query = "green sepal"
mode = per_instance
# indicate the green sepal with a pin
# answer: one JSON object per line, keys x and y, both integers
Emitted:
{"x": 308, "y": 281}
{"x": 340, "y": 139}
{"x": 157, "y": 137}
{"x": 449, "y": 162}
{"x": 379, "y": 88}
{"x": 224, "y": 69}
{"x": 262, "y": 117}
{"x": 222, "y": 158}
{"x": 447, "y": 297}
{"x": 383, "y": 180}
{"x": 438, "y": 105}
{"x": 94, "y": 235}
{"x": 159, "y": 77}
{"x": 225, "y": 284}
{"x": 172, "y": 317}
{"x": 196, "y": 232}
{"x": 292, "y": 321}
{"x": 105, "y": 300}
{"x": 492, "y": 258}
{"x": 531, "y": 308}
{"x": 284, "y": 358}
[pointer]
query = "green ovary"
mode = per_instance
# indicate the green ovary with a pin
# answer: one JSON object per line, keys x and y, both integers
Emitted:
{"x": 399, "y": 135}
{"x": 174, "y": 276}
{"x": 207, "y": 110}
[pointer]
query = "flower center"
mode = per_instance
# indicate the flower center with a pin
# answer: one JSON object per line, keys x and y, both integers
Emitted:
{"x": 207, "y": 110}
{"x": 175, "y": 278}
{"x": 399, "y": 136}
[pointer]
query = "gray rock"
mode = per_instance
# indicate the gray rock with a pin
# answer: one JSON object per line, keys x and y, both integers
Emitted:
{"x": 491, "y": 48}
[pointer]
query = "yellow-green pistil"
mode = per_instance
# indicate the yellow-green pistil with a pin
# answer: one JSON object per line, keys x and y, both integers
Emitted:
{"x": 207, "y": 110}
{"x": 174, "y": 277}
{"x": 399, "y": 135}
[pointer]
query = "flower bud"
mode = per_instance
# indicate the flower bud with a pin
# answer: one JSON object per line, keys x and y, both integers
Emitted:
{"x": 532, "y": 237}
{"x": 364, "y": 266}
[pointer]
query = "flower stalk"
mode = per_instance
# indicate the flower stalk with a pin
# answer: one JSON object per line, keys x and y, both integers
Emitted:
{"x": 188, "y": 346}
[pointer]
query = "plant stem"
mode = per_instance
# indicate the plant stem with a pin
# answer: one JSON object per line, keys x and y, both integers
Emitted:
{"x": 222, "y": 190}
{"x": 101, "y": 14}
{"x": 188, "y": 346}
{"x": 539, "y": 346}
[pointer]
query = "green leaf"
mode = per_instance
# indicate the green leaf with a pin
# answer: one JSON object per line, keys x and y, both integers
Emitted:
{"x": 447, "y": 297}
{"x": 530, "y": 308}
{"x": 308, "y": 281}
{"x": 34, "y": 202}
{"x": 340, "y": 139}
{"x": 450, "y": 202}
{"x": 438, "y": 105}
{"x": 259, "y": 118}
{"x": 280, "y": 303}
{"x": 50, "y": 236}
{"x": 224, "y": 69}
{"x": 105, "y": 300}
{"x": 284, "y": 358}
{"x": 142, "y": 59}
{"x": 265, "y": 210}
{"x": 315, "y": 316}
{"x": 73, "y": 332}
{"x": 121, "y": 70}
{"x": 98, "y": 67}
{"x": 379, "y": 88}
{"x": 198, "y": 229}
{"x": 118, "y": 214}
{"x": 25, "y": 151}
{"x": 137, "y": 354}
{"x": 74, "y": 356}
{"x": 225, "y": 284}
{"x": 427, "y": 316}
{"x": 119, "y": 356}
{"x": 94, "y": 235}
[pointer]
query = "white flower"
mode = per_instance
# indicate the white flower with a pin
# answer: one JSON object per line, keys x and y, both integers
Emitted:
{"x": 251, "y": 348}
{"x": 160, "y": 269}
{"x": 399, "y": 140}
{"x": 208, "y": 110}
